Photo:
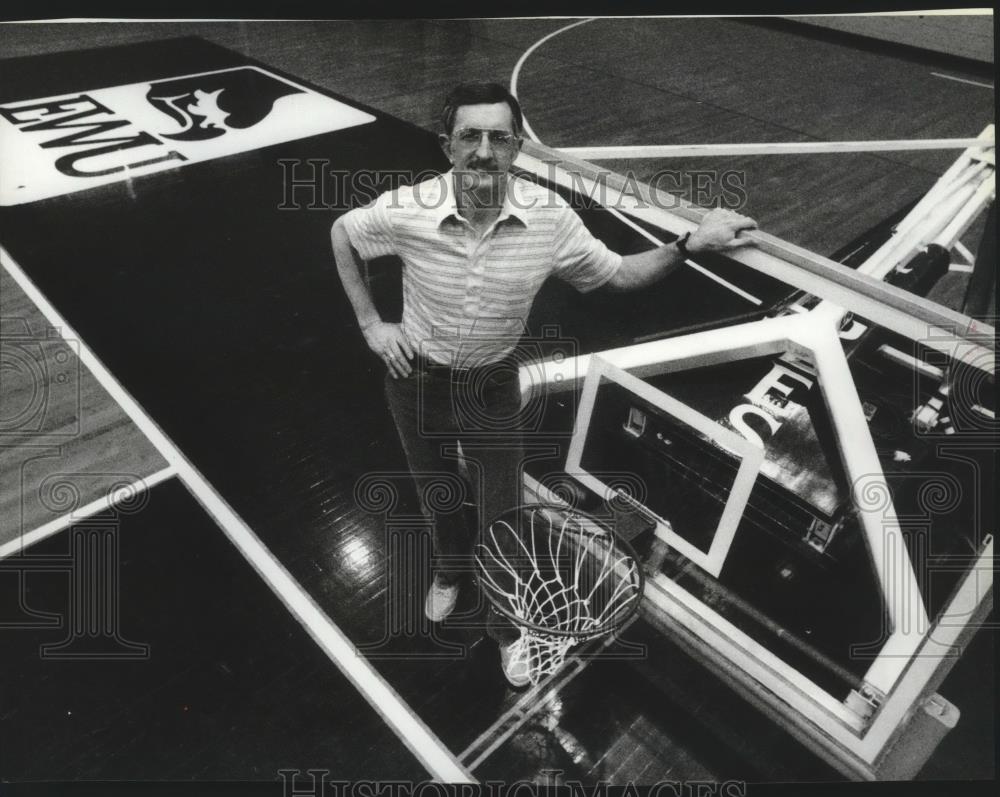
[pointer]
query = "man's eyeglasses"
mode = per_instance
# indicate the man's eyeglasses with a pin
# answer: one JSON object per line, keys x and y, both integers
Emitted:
{"x": 471, "y": 136}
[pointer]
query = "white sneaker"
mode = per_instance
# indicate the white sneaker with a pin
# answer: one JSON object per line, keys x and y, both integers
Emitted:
{"x": 515, "y": 668}
{"x": 440, "y": 601}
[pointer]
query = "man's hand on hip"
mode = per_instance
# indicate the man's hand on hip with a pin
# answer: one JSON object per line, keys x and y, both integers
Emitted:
{"x": 389, "y": 343}
{"x": 720, "y": 230}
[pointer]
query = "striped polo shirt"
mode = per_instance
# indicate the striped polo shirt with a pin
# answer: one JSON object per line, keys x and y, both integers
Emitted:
{"x": 466, "y": 299}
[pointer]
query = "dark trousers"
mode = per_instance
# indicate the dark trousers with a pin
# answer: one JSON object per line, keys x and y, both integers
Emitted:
{"x": 436, "y": 408}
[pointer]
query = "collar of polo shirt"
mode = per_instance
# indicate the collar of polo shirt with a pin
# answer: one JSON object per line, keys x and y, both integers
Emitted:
{"x": 449, "y": 205}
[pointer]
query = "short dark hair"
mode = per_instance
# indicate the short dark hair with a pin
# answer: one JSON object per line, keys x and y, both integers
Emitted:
{"x": 479, "y": 94}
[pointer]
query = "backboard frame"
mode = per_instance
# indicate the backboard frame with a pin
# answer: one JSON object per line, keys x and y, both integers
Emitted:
{"x": 859, "y": 733}
{"x": 751, "y": 456}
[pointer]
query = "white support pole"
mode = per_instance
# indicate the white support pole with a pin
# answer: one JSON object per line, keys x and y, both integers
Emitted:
{"x": 963, "y": 170}
{"x": 886, "y": 545}
{"x": 971, "y": 169}
{"x": 942, "y": 189}
{"x": 769, "y": 148}
{"x": 942, "y": 201}
{"x": 754, "y": 339}
{"x": 940, "y": 193}
{"x": 960, "y": 223}
{"x": 902, "y": 247}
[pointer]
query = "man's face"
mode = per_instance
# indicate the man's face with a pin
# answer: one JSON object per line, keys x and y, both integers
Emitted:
{"x": 482, "y": 145}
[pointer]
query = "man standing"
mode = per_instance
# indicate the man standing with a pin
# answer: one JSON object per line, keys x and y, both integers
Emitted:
{"x": 477, "y": 244}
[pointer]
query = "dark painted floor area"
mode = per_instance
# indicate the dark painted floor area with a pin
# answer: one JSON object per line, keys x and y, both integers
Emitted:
{"x": 233, "y": 688}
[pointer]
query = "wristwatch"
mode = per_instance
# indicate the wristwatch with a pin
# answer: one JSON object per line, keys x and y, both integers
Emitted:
{"x": 682, "y": 244}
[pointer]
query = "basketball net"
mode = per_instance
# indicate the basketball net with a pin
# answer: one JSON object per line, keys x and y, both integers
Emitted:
{"x": 565, "y": 578}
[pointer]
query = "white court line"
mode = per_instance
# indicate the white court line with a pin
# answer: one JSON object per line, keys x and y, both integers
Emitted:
{"x": 532, "y": 135}
{"x": 432, "y": 753}
{"x": 524, "y": 57}
{"x": 725, "y": 283}
{"x": 121, "y": 493}
{"x": 963, "y": 80}
{"x": 640, "y": 151}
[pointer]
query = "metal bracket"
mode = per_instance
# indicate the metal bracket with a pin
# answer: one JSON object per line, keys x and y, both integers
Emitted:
{"x": 866, "y": 701}
{"x": 820, "y": 533}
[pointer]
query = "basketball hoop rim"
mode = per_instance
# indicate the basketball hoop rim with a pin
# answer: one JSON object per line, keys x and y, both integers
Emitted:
{"x": 609, "y": 627}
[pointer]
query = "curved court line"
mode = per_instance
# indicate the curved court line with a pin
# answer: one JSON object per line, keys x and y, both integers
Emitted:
{"x": 129, "y": 491}
{"x": 618, "y": 215}
{"x": 524, "y": 57}
{"x": 418, "y": 738}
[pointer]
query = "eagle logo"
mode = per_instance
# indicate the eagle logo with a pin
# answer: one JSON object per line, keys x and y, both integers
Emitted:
{"x": 208, "y": 106}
